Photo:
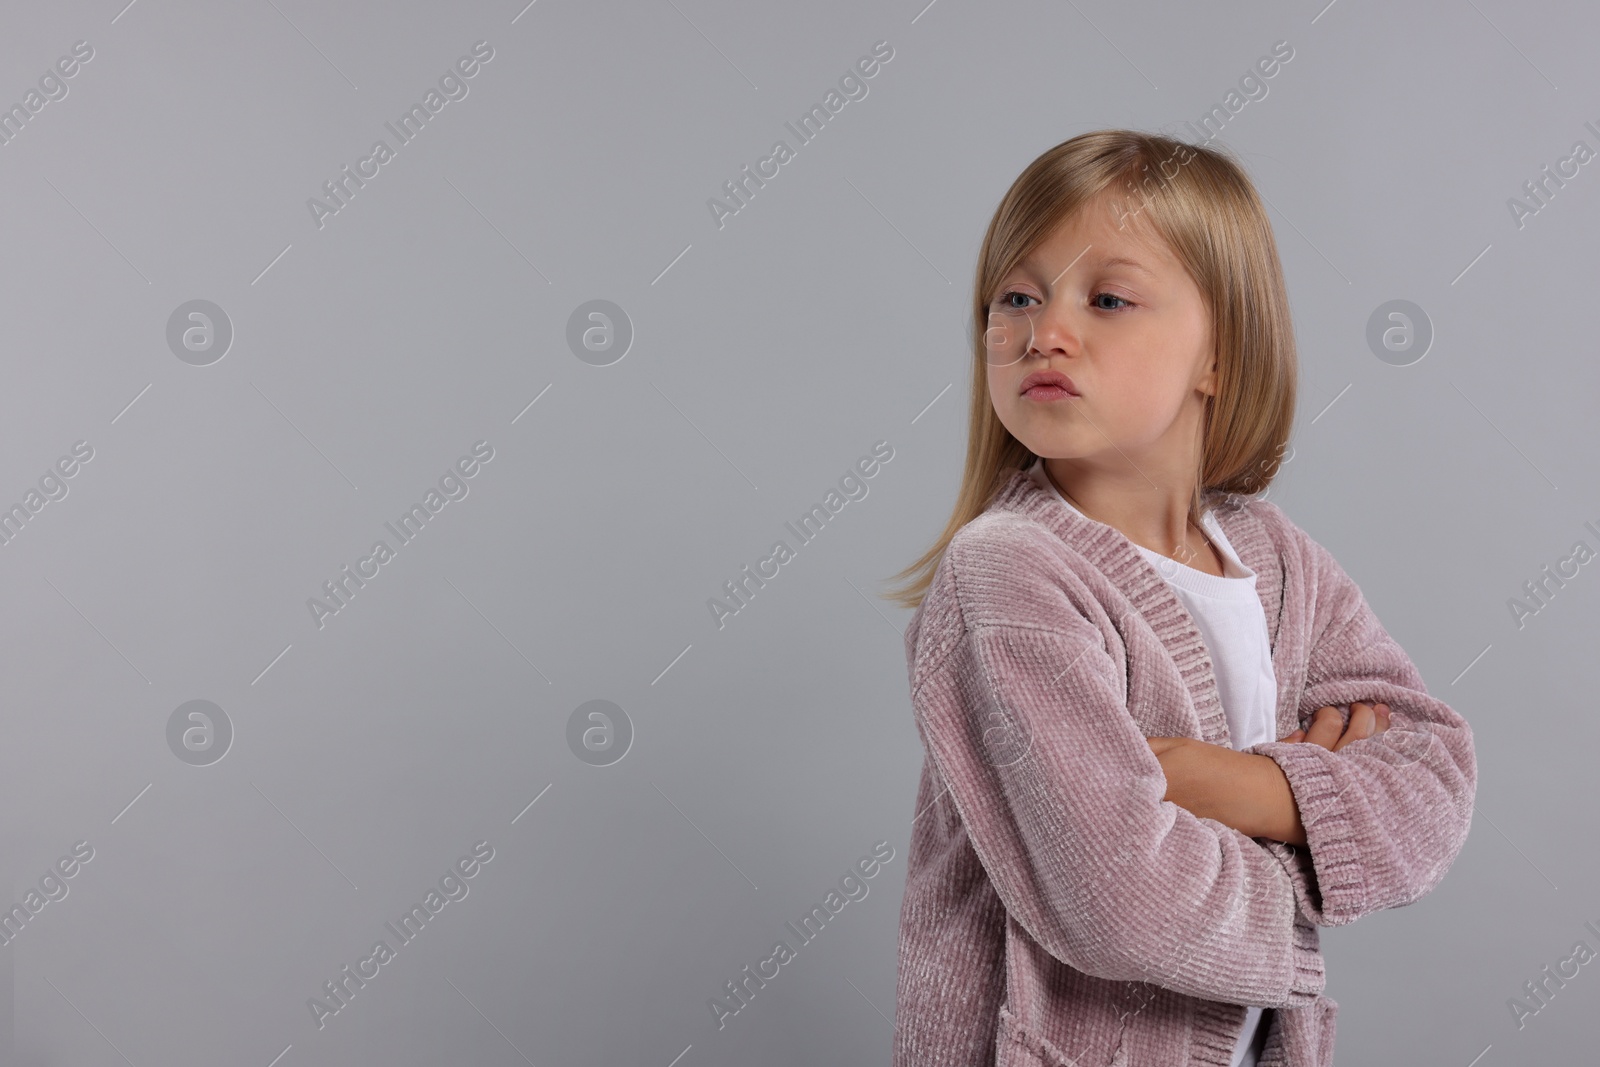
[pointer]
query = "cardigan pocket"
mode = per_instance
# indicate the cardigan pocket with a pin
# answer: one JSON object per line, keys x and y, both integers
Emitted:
{"x": 1019, "y": 1046}
{"x": 1302, "y": 1035}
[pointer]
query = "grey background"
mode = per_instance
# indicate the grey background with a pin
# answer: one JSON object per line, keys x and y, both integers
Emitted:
{"x": 829, "y": 314}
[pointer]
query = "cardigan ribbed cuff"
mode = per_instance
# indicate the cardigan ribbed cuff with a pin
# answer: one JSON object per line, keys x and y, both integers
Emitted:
{"x": 1339, "y": 893}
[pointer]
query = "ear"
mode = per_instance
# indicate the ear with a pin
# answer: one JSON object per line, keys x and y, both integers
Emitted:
{"x": 1207, "y": 382}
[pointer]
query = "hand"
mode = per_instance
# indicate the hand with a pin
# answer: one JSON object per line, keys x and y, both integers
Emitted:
{"x": 1366, "y": 720}
{"x": 1249, "y": 792}
{"x": 1238, "y": 789}
{"x": 1199, "y": 775}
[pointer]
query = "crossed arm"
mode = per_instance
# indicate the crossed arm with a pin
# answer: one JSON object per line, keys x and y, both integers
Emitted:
{"x": 1249, "y": 792}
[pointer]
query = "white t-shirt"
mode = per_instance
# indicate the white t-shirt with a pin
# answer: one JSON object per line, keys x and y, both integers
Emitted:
{"x": 1231, "y": 620}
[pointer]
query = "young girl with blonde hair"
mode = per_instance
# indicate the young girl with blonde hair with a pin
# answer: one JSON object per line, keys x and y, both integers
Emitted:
{"x": 1166, "y": 737}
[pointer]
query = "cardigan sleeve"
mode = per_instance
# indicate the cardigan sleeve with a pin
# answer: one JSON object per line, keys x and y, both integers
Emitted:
{"x": 1061, "y": 798}
{"x": 952, "y": 943}
{"x": 1384, "y": 816}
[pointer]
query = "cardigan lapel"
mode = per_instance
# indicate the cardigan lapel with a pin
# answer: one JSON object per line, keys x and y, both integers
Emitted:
{"x": 1120, "y": 561}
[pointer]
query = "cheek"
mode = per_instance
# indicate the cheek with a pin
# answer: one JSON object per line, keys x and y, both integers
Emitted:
{"x": 1143, "y": 405}
{"x": 1014, "y": 413}
{"x": 1122, "y": 397}
{"x": 1000, "y": 398}
{"x": 1003, "y": 382}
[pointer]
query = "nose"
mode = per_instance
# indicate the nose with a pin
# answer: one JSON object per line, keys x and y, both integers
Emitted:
{"x": 1052, "y": 330}
{"x": 1040, "y": 331}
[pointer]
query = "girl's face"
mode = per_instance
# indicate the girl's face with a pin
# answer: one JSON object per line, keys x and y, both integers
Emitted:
{"x": 1134, "y": 338}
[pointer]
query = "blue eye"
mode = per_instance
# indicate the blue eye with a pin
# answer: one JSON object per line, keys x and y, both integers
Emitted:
{"x": 1004, "y": 300}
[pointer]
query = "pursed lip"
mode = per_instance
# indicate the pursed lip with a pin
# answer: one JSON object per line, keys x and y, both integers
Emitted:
{"x": 1048, "y": 377}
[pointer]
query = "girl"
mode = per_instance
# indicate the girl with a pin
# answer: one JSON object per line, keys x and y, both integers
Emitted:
{"x": 1113, "y": 862}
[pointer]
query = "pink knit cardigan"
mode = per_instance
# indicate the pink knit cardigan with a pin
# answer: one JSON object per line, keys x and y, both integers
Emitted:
{"x": 1057, "y": 910}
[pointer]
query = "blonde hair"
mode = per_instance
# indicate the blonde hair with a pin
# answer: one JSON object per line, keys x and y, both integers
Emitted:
{"x": 1198, "y": 201}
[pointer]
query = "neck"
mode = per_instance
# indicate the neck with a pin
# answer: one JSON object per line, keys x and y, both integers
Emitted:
{"x": 1151, "y": 511}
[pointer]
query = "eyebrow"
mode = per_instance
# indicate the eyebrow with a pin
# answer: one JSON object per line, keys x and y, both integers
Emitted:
{"x": 1122, "y": 261}
{"x": 1104, "y": 262}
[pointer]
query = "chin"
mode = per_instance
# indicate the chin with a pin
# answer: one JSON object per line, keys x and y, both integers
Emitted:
{"x": 1054, "y": 443}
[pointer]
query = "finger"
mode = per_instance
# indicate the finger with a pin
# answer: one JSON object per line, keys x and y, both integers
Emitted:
{"x": 1326, "y": 725}
{"x": 1383, "y": 717}
{"x": 1363, "y": 722}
